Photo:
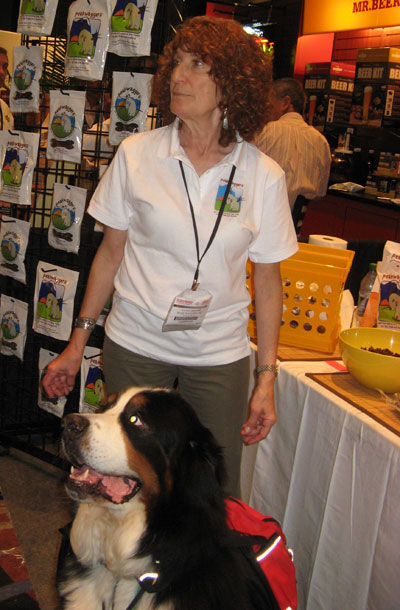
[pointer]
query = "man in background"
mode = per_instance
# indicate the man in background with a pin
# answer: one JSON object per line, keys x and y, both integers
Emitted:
{"x": 6, "y": 118}
{"x": 301, "y": 151}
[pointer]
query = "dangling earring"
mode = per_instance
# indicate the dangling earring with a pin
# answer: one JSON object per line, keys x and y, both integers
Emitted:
{"x": 225, "y": 120}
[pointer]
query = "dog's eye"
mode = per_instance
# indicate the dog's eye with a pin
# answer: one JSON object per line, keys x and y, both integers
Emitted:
{"x": 135, "y": 420}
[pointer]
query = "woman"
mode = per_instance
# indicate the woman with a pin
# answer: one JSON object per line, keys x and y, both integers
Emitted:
{"x": 160, "y": 202}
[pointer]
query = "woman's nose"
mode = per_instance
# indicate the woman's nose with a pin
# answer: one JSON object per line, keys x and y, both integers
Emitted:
{"x": 178, "y": 73}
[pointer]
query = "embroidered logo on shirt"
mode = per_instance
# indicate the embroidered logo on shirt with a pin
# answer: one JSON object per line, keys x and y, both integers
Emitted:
{"x": 233, "y": 201}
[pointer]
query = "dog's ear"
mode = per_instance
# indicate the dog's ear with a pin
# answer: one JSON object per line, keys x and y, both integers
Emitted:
{"x": 200, "y": 470}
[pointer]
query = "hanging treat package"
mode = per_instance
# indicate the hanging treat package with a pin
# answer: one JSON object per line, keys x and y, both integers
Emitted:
{"x": 130, "y": 104}
{"x": 66, "y": 217}
{"x": 88, "y": 32}
{"x": 18, "y": 154}
{"x": 131, "y": 24}
{"x": 36, "y": 17}
{"x": 13, "y": 315}
{"x": 14, "y": 235}
{"x": 54, "y": 300}
{"x": 27, "y": 70}
{"x": 93, "y": 389}
{"x": 52, "y": 405}
{"x": 64, "y": 142}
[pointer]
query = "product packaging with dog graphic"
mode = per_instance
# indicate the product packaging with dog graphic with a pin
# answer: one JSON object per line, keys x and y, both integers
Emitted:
{"x": 131, "y": 24}
{"x": 387, "y": 285}
{"x": 18, "y": 155}
{"x": 27, "y": 70}
{"x": 14, "y": 236}
{"x": 66, "y": 217}
{"x": 88, "y": 31}
{"x": 36, "y": 17}
{"x": 51, "y": 405}
{"x": 64, "y": 142}
{"x": 54, "y": 300}
{"x": 93, "y": 388}
{"x": 13, "y": 316}
{"x": 130, "y": 104}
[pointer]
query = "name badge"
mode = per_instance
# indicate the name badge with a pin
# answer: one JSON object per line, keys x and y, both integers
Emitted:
{"x": 187, "y": 310}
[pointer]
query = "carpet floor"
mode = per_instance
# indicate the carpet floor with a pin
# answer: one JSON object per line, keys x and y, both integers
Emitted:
{"x": 35, "y": 507}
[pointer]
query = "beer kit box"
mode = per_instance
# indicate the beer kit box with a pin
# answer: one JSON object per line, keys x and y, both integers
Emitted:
{"x": 376, "y": 96}
{"x": 329, "y": 88}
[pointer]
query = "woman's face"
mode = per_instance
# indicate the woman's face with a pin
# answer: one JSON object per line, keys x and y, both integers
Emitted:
{"x": 194, "y": 94}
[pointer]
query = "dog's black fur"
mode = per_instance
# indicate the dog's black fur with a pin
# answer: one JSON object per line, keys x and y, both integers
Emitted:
{"x": 180, "y": 470}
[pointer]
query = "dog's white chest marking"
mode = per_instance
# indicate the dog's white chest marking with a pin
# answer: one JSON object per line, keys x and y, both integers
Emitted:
{"x": 110, "y": 537}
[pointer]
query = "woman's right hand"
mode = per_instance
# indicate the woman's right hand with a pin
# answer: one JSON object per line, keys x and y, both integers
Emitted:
{"x": 60, "y": 375}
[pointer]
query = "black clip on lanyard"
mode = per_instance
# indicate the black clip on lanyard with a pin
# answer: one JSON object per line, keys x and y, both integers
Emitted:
{"x": 217, "y": 222}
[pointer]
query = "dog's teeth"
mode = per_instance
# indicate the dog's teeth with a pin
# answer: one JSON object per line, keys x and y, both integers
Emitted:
{"x": 72, "y": 470}
{"x": 86, "y": 474}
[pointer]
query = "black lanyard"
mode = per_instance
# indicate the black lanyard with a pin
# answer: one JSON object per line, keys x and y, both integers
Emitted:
{"x": 217, "y": 222}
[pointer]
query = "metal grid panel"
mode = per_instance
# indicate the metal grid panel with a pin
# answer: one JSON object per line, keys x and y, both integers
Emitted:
{"x": 22, "y": 423}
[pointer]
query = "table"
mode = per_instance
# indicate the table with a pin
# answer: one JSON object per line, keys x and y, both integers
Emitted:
{"x": 331, "y": 475}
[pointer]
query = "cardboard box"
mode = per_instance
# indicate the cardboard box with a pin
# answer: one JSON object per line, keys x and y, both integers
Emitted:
{"x": 329, "y": 88}
{"x": 376, "y": 96}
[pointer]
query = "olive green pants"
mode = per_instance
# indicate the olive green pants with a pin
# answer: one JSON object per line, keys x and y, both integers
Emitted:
{"x": 218, "y": 394}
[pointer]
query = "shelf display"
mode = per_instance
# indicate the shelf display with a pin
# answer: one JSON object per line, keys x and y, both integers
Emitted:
{"x": 376, "y": 97}
{"x": 329, "y": 87}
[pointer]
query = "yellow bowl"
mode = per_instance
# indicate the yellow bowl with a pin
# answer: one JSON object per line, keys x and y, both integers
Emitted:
{"x": 372, "y": 370}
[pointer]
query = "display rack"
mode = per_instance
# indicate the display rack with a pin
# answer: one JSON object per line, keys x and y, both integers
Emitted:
{"x": 23, "y": 424}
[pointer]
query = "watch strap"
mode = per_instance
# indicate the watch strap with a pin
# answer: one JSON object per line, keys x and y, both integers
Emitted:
{"x": 271, "y": 368}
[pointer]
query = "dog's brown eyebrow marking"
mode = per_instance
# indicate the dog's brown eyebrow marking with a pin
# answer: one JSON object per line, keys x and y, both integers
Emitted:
{"x": 139, "y": 400}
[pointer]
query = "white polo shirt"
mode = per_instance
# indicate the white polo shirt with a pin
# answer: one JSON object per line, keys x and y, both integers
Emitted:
{"x": 143, "y": 192}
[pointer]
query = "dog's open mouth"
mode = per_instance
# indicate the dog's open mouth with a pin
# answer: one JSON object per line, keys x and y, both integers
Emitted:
{"x": 115, "y": 489}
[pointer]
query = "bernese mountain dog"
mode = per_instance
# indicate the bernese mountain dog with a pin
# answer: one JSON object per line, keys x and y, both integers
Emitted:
{"x": 150, "y": 529}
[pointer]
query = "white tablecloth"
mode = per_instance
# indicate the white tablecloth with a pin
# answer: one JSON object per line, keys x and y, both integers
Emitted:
{"x": 331, "y": 476}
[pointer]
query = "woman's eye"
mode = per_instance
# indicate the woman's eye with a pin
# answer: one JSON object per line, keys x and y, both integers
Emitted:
{"x": 135, "y": 420}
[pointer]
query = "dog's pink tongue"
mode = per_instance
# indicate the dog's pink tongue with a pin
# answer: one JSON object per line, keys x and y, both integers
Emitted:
{"x": 116, "y": 488}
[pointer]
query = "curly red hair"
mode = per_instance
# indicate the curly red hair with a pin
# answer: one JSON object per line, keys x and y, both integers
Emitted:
{"x": 240, "y": 69}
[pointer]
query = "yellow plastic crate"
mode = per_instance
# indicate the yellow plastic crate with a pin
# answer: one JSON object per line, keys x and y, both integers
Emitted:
{"x": 313, "y": 280}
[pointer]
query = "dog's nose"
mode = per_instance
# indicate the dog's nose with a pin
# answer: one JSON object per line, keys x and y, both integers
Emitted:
{"x": 74, "y": 425}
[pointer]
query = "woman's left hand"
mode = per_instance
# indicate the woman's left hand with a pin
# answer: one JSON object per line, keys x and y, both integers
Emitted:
{"x": 262, "y": 414}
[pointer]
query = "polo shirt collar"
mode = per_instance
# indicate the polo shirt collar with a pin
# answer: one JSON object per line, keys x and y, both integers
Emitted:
{"x": 171, "y": 147}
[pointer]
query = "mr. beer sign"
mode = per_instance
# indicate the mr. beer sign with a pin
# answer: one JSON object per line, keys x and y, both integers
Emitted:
{"x": 339, "y": 15}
